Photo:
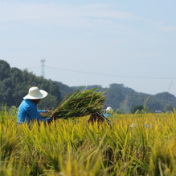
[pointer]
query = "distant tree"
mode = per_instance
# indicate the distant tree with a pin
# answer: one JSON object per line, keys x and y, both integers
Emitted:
{"x": 119, "y": 111}
{"x": 149, "y": 110}
{"x": 155, "y": 103}
{"x": 15, "y": 83}
{"x": 114, "y": 97}
{"x": 136, "y": 108}
{"x": 168, "y": 108}
{"x": 4, "y": 69}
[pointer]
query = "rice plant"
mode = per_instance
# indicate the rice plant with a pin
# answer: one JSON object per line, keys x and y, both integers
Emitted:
{"x": 76, "y": 148}
{"x": 80, "y": 103}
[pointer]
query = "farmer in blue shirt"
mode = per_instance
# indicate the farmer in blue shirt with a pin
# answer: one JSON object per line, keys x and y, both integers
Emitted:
{"x": 108, "y": 112}
{"x": 28, "y": 112}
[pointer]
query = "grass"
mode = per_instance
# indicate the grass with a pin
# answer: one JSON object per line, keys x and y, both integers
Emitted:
{"x": 74, "y": 148}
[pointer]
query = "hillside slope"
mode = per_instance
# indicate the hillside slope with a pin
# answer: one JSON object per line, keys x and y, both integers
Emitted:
{"x": 119, "y": 96}
{"x": 14, "y": 85}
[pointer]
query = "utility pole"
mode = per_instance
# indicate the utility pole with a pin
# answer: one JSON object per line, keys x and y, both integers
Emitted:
{"x": 43, "y": 67}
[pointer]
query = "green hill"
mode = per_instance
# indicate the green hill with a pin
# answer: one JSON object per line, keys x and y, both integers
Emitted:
{"x": 124, "y": 98}
{"x": 15, "y": 83}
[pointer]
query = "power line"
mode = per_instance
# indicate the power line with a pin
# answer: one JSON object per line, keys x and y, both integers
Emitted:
{"x": 101, "y": 74}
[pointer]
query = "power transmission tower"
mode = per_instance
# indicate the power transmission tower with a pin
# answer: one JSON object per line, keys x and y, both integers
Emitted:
{"x": 43, "y": 67}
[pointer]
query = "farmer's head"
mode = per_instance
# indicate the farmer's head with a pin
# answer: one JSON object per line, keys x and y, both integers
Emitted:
{"x": 35, "y": 94}
{"x": 109, "y": 110}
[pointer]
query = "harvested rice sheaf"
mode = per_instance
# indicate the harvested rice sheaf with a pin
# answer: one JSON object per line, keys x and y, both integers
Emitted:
{"x": 81, "y": 103}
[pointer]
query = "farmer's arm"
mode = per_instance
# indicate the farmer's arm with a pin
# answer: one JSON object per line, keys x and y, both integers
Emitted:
{"x": 43, "y": 111}
{"x": 34, "y": 115}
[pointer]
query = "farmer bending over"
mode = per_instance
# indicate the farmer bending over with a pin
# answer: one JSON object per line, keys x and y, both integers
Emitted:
{"x": 28, "y": 112}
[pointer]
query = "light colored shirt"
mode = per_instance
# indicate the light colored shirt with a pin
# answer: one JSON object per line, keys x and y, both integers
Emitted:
{"x": 28, "y": 112}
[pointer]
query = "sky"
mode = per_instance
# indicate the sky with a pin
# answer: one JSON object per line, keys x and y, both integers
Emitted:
{"x": 93, "y": 42}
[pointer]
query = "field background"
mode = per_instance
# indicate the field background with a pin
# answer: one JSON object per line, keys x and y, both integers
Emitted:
{"x": 74, "y": 148}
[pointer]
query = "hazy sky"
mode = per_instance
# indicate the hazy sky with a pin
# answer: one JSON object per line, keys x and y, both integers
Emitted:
{"x": 113, "y": 41}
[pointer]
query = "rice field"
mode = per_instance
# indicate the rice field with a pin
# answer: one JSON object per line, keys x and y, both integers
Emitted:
{"x": 138, "y": 144}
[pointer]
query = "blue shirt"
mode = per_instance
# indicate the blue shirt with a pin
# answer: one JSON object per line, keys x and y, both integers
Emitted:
{"x": 108, "y": 115}
{"x": 28, "y": 112}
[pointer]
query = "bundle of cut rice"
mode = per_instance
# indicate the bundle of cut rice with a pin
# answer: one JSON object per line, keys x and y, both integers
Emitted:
{"x": 81, "y": 103}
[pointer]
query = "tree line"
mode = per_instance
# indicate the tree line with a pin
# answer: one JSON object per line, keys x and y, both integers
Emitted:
{"x": 15, "y": 83}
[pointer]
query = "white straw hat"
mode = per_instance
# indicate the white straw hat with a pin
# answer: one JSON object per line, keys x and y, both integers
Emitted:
{"x": 35, "y": 93}
{"x": 109, "y": 109}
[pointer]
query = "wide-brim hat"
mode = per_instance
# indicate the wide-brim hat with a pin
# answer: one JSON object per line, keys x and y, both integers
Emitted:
{"x": 109, "y": 109}
{"x": 35, "y": 93}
